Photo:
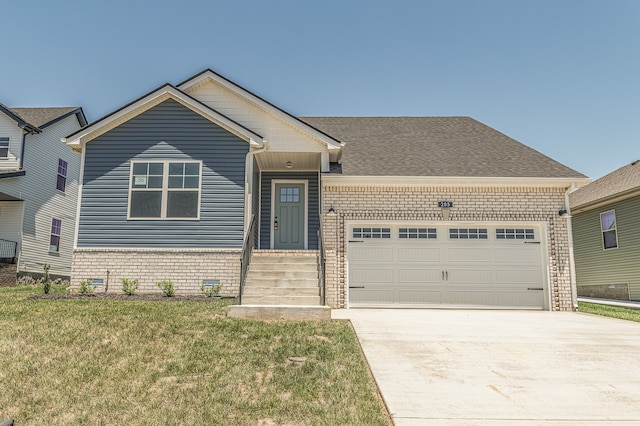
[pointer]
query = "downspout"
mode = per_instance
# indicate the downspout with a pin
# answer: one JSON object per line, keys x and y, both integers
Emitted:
{"x": 572, "y": 266}
{"x": 249, "y": 181}
{"x": 24, "y": 139}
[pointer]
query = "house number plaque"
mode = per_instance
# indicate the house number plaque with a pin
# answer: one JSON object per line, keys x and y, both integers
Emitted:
{"x": 445, "y": 204}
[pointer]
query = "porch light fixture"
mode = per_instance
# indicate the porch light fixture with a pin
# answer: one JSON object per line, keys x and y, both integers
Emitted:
{"x": 562, "y": 213}
{"x": 288, "y": 164}
{"x": 331, "y": 210}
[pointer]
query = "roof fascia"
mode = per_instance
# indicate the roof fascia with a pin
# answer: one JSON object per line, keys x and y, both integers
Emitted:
{"x": 78, "y": 111}
{"x": 335, "y": 179}
{"x": 21, "y": 123}
{"x": 167, "y": 91}
{"x": 606, "y": 200}
{"x": 262, "y": 103}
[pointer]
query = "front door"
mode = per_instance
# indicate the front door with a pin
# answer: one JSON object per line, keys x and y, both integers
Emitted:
{"x": 289, "y": 216}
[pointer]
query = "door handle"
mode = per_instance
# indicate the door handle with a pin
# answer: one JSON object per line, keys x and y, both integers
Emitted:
{"x": 442, "y": 275}
{"x": 447, "y": 275}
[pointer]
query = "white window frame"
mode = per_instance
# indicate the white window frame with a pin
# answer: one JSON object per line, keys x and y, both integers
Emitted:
{"x": 165, "y": 189}
{"x": 55, "y": 249}
{"x": 5, "y": 140}
{"x": 63, "y": 176}
{"x": 615, "y": 230}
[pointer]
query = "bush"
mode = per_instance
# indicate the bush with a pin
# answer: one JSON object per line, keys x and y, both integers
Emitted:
{"x": 168, "y": 289}
{"x": 86, "y": 287}
{"x": 211, "y": 291}
{"x": 129, "y": 286}
{"x": 46, "y": 279}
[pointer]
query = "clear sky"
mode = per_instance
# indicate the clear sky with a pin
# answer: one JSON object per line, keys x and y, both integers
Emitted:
{"x": 562, "y": 76}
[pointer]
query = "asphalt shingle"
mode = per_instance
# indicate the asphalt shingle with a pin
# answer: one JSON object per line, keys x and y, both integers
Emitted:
{"x": 626, "y": 178}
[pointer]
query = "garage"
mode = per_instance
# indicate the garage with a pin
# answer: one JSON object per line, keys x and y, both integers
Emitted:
{"x": 455, "y": 265}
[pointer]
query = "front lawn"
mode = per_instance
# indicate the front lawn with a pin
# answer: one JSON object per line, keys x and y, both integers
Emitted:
{"x": 91, "y": 362}
{"x": 609, "y": 311}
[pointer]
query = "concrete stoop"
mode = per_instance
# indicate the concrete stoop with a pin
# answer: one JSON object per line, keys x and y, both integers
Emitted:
{"x": 280, "y": 312}
{"x": 282, "y": 285}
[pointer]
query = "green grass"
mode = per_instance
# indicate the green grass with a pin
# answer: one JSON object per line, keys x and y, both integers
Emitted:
{"x": 610, "y": 311}
{"x": 103, "y": 362}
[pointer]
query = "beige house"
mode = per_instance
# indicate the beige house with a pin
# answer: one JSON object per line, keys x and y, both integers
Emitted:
{"x": 205, "y": 182}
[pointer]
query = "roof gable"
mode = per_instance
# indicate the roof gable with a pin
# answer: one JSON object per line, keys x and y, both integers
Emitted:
{"x": 621, "y": 182}
{"x": 434, "y": 146}
{"x": 210, "y": 75}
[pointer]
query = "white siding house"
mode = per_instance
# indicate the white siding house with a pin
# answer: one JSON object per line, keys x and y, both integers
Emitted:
{"x": 38, "y": 188}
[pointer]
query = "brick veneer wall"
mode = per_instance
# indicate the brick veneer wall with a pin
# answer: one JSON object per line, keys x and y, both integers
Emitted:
{"x": 185, "y": 267}
{"x": 419, "y": 203}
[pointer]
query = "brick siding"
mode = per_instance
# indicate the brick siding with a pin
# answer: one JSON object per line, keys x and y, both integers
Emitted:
{"x": 185, "y": 267}
{"x": 419, "y": 203}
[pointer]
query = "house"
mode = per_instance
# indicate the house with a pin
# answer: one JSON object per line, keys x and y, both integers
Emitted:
{"x": 606, "y": 235}
{"x": 206, "y": 182}
{"x": 38, "y": 190}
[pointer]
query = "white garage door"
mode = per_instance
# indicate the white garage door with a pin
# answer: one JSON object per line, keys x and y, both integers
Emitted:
{"x": 493, "y": 266}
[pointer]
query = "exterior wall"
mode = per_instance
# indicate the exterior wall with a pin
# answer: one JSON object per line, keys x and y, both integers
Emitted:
{"x": 166, "y": 132}
{"x": 11, "y": 221}
{"x": 43, "y": 201}
{"x": 9, "y": 128}
{"x": 607, "y": 271}
{"x": 312, "y": 210}
{"x": 185, "y": 267}
{"x": 419, "y": 203}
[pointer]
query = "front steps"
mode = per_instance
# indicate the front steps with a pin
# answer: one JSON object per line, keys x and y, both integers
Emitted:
{"x": 282, "y": 285}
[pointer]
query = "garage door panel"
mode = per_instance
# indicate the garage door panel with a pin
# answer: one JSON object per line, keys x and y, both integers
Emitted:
{"x": 413, "y": 297}
{"x": 469, "y": 297}
{"x": 371, "y": 296}
{"x": 521, "y": 277}
{"x": 528, "y": 254}
{"x": 469, "y": 276}
{"x": 371, "y": 276}
{"x": 421, "y": 276}
{"x": 418, "y": 254}
{"x": 372, "y": 254}
{"x": 532, "y": 298}
{"x": 469, "y": 254}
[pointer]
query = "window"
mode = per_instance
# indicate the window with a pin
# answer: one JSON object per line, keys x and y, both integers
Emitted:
{"x": 4, "y": 147}
{"x": 467, "y": 234}
{"x": 609, "y": 229}
{"x": 289, "y": 195}
{"x": 54, "y": 241}
{"x": 515, "y": 234}
{"x": 429, "y": 233}
{"x": 371, "y": 232}
{"x": 165, "y": 190}
{"x": 61, "y": 183}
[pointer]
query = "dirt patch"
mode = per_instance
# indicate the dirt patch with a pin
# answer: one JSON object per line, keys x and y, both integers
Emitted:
{"x": 153, "y": 297}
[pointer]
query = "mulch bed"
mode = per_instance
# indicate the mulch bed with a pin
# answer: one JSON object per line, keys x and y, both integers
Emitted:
{"x": 153, "y": 297}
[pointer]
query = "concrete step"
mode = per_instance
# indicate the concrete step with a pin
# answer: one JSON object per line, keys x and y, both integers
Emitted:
{"x": 281, "y": 300}
{"x": 283, "y": 266}
{"x": 288, "y": 274}
{"x": 296, "y": 313}
{"x": 280, "y": 291}
{"x": 281, "y": 282}
{"x": 256, "y": 258}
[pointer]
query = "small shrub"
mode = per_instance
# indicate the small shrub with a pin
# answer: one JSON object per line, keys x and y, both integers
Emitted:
{"x": 168, "y": 289}
{"x": 46, "y": 279}
{"x": 86, "y": 287}
{"x": 211, "y": 291}
{"x": 129, "y": 287}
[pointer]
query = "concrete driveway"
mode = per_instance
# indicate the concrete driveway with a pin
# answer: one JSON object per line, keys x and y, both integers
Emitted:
{"x": 501, "y": 367}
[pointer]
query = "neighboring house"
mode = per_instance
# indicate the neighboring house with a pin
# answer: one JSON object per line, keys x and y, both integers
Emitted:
{"x": 606, "y": 235}
{"x": 401, "y": 211}
{"x": 38, "y": 190}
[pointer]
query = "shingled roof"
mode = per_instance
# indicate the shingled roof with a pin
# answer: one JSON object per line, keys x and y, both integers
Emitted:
{"x": 624, "y": 180}
{"x": 40, "y": 117}
{"x": 433, "y": 146}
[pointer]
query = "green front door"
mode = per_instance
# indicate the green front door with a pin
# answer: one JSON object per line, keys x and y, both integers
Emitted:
{"x": 289, "y": 216}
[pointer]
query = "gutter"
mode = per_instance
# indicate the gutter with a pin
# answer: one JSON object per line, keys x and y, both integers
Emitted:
{"x": 572, "y": 265}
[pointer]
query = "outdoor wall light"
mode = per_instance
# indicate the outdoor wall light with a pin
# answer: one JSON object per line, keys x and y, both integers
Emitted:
{"x": 288, "y": 164}
{"x": 562, "y": 213}
{"x": 331, "y": 210}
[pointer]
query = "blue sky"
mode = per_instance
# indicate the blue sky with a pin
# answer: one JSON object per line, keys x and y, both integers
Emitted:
{"x": 561, "y": 76}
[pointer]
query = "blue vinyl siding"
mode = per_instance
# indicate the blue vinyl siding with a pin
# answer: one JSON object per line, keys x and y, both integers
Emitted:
{"x": 167, "y": 131}
{"x": 265, "y": 205}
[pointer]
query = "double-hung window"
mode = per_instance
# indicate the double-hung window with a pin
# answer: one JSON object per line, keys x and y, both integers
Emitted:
{"x": 54, "y": 240}
{"x": 4, "y": 147}
{"x": 61, "y": 183}
{"x": 165, "y": 189}
{"x": 609, "y": 229}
